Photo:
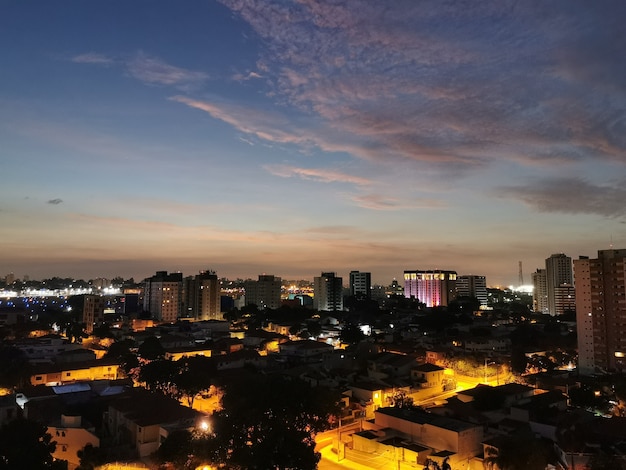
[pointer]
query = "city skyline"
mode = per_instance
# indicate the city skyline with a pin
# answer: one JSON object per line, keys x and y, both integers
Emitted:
{"x": 298, "y": 138}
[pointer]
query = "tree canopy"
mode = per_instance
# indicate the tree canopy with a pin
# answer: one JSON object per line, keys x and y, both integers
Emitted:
{"x": 27, "y": 444}
{"x": 270, "y": 422}
{"x": 14, "y": 367}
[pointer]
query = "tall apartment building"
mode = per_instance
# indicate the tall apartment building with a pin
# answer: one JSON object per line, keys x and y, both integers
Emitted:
{"x": 540, "y": 291}
{"x": 202, "y": 296}
{"x": 601, "y": 311}
{"x": 264, "y": 293}
{"x": 93, "y": 311}
{"x": 472, "y": 286}
{"x": 328, "y": 292}
{"x": 433, "y": 288}
{"x": 163, "y": 295}
{"x": 558, "y": 274}
{"x": 360, "y": 284}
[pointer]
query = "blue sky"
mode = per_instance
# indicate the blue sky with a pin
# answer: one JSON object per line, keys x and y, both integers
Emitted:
{"x": 291, "y": 137}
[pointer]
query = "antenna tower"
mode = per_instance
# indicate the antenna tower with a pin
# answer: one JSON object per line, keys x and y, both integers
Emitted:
{"x": 521, "y": 275}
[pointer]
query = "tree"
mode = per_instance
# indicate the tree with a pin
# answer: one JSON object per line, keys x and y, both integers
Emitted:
{"x": 195, "y": 376}
{"x": 151, "y": 349}
{"x": 26, "y": 444}
{"x": 160, "y": 375}
{"x": 270, "y": 422}
{"x": 177, "y": 448}
{"x": 14, "y": 367}
{"x": 351, "y": 334}
{"x": 90, "y": 457}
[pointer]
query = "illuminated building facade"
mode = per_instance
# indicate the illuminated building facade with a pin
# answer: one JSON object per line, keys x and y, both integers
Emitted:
{"x": 472, "y": 286}
{"x": 433, "y": 288}
{"x": 328, "y": 292}
{"x": 264, "y": 293}
{"x": 558, "y": 274}
{"x": 93, "y": 311}
{"x": 601, "y": 311}
{"x": 202, "y": 296}
{"x": 360, "y": 284}
{"x": 163, "y": 296}
{"x": 540, "y": 291}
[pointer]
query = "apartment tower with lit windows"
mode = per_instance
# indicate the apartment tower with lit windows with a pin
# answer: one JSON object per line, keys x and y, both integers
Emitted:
{"x": 360, "y": 284}
{"x": 163, "y": 295}
{"x": 433, "y": 288}
{"x": 560, "y": 284}
{"x": 328, "y": 292}
{"x": 264, "y": 293}
{"x": 601, "y": 311}
{"x": 472, "y": 286}
{"x": 203, "y": 296}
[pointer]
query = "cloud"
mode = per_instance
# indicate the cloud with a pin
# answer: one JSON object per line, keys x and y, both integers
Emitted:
{"x": 570, "y": 196}
{"x": 455, "y": 86}
{"x": 148, "y": 69}
{"x": 55, "y": 202}
{"x": 317, "y": 174}
{"x": 248, "y": 120}
{"x": 384, "y": 203}
{"x": 249, "y": 76}
{"x": 153, "y": 70}
{"x": 93, "y": 58}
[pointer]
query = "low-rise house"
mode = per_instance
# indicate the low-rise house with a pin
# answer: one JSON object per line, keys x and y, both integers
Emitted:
{"x": 44, "y": 349}
{"x": 463, "y": 440}
{"x": 402, "y": 450}
{"x": 56, "y": 374}
{"x": 75, "y": 356}
{"x": 305, "y": 350}
{"x": 428, "y": 375}
{"x": 239, "y": 359}
{"x": 71, "y": 435}
{"x": 387, "y": 364}
{"x": 487, "y": 345}
{"x": 280, "y": 328}
{"x": 143, "y": 420}
{"x": 8, "y": 408}
{"x": 174, "y": 354}
{"x": 263, "y": 340}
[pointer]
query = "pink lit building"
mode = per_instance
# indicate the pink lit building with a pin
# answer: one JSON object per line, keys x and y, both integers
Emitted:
{"x": 433, "y": 288}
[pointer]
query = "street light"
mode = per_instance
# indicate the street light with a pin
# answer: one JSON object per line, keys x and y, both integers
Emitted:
{"x": 488, "y": 364}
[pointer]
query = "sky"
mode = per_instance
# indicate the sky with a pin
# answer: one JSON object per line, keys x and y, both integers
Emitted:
{"x": 295, "y": 137}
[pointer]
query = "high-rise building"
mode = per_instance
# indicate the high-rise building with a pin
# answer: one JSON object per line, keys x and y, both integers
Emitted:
{"x": 202, "y": 296}
{"x": 93, "y": 311}
{"x": 163, "y": 295}
{"x": 472, "y": 286}
{"x": 558, "y": 274}
{"x": 601, "y": 311}
{"x": 264, "y": 293}
{"x": 360, "y": 284}
{"x": 540, "y": 291}
{"x": 328, "y": 292}
{"x": 433, "y": 288}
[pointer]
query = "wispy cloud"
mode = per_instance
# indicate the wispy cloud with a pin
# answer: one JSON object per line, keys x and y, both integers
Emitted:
{"x": 248, "y": 120}
{"x": 93, "y": 58}
{"x": 55, "y": 202}
{"x": 148, "y": 69}
{"x": 384, "y": 203}
{"x": 153, "y": 70}
{"x": 317, "y": 174}
{"x": 452, "y": 87}
{"x": 570, "y": 196}
{"x": 240, "y": 77}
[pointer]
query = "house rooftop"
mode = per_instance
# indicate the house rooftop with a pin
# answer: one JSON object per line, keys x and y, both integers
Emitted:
{"x": 145, "y": 408}
{"x": 428, "y": 367}
{"x": 422, "y": 417}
